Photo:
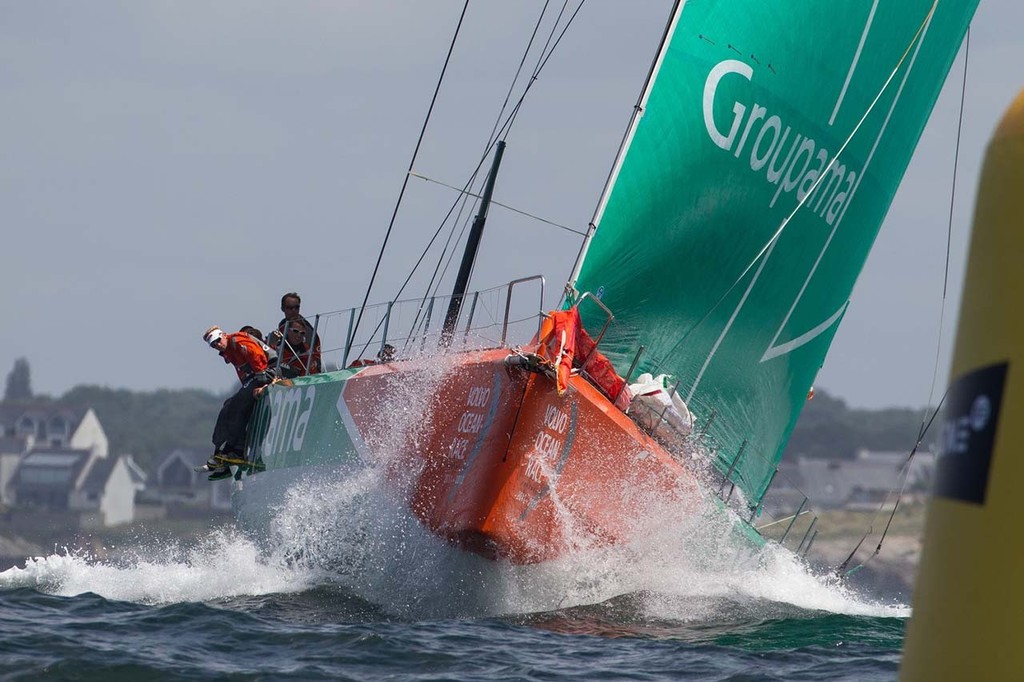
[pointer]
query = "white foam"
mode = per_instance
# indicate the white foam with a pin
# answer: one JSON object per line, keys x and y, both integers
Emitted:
{"x": 360, "y": 535}
{"x": 353, "y": 533}
{"x": 222, "y": 565}
{"x": 361, "y": 532}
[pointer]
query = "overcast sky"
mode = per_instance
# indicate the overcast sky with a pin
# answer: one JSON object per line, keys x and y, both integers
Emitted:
{"x": 165, "y": 166}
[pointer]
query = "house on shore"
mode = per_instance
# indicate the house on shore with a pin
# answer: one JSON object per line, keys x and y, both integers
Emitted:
{"x": 55, "y": 459}
{"x": 868, "y": 482}
{"x": 181, "y": 491}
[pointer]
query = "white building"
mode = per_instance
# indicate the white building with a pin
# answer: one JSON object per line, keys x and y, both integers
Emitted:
{"x": 56, "y": 458}
{"x": 176, "y": 484}
{"x": 870, "y": 480}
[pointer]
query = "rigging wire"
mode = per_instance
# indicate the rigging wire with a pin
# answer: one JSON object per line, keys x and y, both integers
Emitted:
{"x": 952, "y": 199}
{"x": 438, "y": 273}
{"x": 938, "y": 346}
{"x": 505, "y": 206}
{"x": 545, "y": 54}
{"x": 519, "y": 70}
{"x": 569, "y": 293}
{"x": 503, "y": 131}
{"x": 905, "y": 475}
{"x": 505, "y": 127}
{"x": 412, "y": 161}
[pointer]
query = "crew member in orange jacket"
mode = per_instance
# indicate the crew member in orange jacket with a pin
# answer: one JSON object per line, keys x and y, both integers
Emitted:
{"x": 250, "y": 362}
{"x": 296, "y": 361}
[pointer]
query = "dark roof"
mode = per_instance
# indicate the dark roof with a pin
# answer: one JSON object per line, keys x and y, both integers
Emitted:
{"x": 42, "y": 416}
{"x": 98, "y": 475}
{"x": 12, "y": 411}
{"x": 50, "y": 468}
{"x": 136, "y": 473}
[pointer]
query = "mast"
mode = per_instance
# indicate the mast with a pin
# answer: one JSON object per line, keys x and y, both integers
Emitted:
{"x": 469, "y": 255}
{"x": 627, "y": 138}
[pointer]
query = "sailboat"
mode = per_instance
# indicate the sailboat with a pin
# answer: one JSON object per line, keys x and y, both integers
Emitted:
{"x": 754, "y": 175}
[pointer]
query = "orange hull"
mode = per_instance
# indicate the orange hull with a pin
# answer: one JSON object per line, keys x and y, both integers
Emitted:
{"x": 504, "y": 467}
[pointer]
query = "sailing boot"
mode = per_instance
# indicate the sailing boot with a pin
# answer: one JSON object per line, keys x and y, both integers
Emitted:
{"x": 219, "y": 473}
{"x": 218, "y": 469}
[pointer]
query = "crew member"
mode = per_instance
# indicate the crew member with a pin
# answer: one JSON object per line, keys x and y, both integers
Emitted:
{"x": 308, "y": 363}
{"x": 296, "y": 358}
{"x": 258, "y": 335}
{"x": 250, "y": 362}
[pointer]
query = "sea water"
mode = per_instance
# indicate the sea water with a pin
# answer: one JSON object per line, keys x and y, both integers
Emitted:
{"x": 365, "y": 594}
{"x": 347, "y": 585}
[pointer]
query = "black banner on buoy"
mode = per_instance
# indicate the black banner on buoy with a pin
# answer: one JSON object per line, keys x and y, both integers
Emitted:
{"x": 969, "y": 434}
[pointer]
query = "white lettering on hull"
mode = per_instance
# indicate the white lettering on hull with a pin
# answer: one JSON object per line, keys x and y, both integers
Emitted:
{"x": 542, "y": 460}
{"x": 471, "y": 421}
{"x": 290, "y": 410}
{"x": 472, "y": 427}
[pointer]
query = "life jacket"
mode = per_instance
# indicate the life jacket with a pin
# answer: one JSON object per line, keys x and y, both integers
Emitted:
{"x": 295, "y": 360}
{"x": 601, "y": 371}
{"x": 565, "y": 344}
{"x": 299, "y": 361}
{"x": 558, "y": 344}
{"x": 267, "y": 350}
{"x": 245, "y": 354}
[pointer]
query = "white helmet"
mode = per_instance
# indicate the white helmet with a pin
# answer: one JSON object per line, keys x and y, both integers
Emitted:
{"x": 213, "y": 335}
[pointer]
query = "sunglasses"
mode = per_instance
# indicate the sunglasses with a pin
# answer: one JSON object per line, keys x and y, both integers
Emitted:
{"x": 291, "y": 307}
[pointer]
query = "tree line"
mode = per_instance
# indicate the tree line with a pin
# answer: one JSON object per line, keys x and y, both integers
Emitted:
{"x": 148, "y": 424}
{"x": 829, "y": 429}
{"x": 145, "y": 424}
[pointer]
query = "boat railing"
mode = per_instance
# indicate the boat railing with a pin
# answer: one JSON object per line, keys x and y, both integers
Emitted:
{"x": 508, "y": 304}
{"x": 408, "y": 328}
{"x": 609, "y": 316}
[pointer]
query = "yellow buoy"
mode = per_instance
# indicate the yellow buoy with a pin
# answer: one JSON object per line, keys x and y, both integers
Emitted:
{"x": 968, "y": 617}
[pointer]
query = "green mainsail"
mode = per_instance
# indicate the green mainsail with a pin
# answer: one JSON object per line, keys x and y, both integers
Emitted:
{"x": 767, "y": 147}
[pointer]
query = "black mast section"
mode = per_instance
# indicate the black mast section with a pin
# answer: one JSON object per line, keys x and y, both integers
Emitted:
{"x": 469, "y": 255}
